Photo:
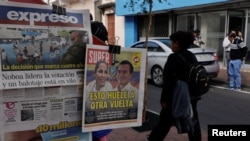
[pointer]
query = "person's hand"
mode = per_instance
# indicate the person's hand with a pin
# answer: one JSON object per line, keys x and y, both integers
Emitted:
{"x": 201, "y": 42}
{"x": 163, "y": 105}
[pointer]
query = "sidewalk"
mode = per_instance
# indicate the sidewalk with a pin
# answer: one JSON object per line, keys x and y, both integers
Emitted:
{"x": 245, "y": 75}
{"x": 129, "y": 134}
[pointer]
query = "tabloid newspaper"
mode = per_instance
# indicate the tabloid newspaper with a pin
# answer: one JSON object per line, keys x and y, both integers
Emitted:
{"x": 113, "y": 88}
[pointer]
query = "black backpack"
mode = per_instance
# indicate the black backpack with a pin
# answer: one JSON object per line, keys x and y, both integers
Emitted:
{"x": 99, "y": 30}
{"x": 198, "y": 80}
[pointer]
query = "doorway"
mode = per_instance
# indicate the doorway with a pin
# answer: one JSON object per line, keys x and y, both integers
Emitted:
{"x": 236, "y": 20}
{"x": 111, "y": 29}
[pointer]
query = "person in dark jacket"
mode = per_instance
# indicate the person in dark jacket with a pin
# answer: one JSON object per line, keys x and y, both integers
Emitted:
{"x": 176, "y": 69}
{"x": 76, "y": 52}
{"x": 237, "y": 55}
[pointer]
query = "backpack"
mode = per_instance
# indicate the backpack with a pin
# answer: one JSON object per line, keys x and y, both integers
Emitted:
{"x": 198, "y": 80}
{"x": 99, "y": 30}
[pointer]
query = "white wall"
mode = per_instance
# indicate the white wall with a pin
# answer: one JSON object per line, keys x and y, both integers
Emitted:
{"x": 87, "y": 4}
{"x": 107, "y": 1}
{"x": 119, "y": 20}
{"x": 119, "y": 23}
{"x": 119, "y": 30}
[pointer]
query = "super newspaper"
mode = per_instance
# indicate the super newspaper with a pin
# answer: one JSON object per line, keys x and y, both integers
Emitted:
{"x": 113, "y": 88}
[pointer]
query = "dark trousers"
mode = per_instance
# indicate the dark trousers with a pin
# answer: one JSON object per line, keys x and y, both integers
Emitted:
{"x": 166, "y": 121}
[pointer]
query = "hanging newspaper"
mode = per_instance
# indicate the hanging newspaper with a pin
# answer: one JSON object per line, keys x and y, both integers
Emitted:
{"x": 40, "y": 48}
{"x": 113, "y": 88}
{"x": 41, "y": 88}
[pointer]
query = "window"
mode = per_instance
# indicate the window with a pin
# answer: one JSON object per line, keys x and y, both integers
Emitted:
{"x": 186, "y": 22}
{"x": 212, "y": 27}
{"x": 153, "y": 47}
{"x": 139, "y": 45}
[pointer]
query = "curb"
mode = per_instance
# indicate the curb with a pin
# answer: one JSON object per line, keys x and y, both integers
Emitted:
{"x": 222, "y": 77}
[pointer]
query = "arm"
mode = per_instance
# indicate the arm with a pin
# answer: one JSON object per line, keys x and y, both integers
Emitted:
{"x": 245, "y": 53}
{"x": 74, "y": 55}
{"x": 169, "y": 80}
{"x": 226, "y": 43}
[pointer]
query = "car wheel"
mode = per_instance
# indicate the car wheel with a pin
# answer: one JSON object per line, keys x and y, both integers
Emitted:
{"x": 157, "y": 76}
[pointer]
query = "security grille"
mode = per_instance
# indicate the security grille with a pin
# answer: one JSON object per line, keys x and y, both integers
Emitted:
{"x": 159, "y": 27}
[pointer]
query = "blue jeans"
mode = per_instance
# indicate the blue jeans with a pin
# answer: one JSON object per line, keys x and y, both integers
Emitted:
{"x": 234, "y": 73}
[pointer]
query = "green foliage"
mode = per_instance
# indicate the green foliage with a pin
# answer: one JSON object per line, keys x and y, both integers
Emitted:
{"x": 143, "y": 5}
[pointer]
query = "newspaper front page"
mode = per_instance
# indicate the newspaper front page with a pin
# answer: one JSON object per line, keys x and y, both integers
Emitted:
{"x": 39, "y": 48}
{"x": 113, "y": 88}
{"x": 41, "y": 89}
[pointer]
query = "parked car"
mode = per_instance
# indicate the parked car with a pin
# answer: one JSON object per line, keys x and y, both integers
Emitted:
{"x": 160, "y": 48}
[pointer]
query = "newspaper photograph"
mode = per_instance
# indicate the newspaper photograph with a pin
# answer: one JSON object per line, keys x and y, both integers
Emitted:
{"x": 113, "y": 88}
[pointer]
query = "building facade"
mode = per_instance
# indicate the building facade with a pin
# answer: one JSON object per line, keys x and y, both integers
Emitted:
{"x": 103, "y": 11}
{"x": 214, "y": 18}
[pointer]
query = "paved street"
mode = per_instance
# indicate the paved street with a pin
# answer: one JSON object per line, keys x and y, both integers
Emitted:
{"x": 217, "y": 113}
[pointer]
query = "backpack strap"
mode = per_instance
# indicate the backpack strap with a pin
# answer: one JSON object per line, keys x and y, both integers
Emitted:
{"x": 187, "y": 63}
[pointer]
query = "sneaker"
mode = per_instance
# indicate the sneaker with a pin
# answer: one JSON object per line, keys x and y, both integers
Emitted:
{"x": 238, "y": 89}
{"x": 231, "y": 89}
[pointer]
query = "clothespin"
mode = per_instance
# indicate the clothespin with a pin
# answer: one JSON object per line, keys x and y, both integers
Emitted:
{"x": 114, "y": 49}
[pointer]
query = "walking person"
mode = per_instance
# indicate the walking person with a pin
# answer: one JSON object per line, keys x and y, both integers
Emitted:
{"x": 237, "y": 56}
{"x": 175, "y": 68}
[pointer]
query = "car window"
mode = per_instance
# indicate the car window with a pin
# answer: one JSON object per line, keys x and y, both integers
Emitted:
{"x": 165, "y": 41}
{"x": 194, "y": 46}
{"x": 139, "y": 45}
{"x": 153, "y": 47}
